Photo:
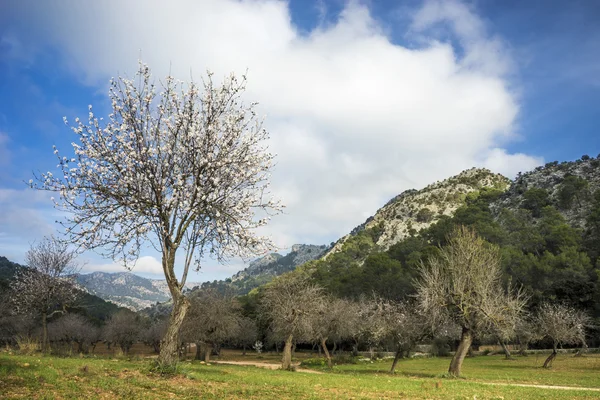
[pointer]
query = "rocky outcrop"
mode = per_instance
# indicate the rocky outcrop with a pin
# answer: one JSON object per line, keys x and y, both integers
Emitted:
{"x": 414, "y": 210}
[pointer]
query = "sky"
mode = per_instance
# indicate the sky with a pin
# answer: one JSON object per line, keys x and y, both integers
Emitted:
{"x": 362, "y": 99}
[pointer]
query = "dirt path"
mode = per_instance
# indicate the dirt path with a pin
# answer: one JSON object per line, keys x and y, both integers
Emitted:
{"x": 267, "y": 366}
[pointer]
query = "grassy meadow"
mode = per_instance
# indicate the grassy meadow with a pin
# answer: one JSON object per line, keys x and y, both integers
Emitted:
{"x": 485, "y": 377}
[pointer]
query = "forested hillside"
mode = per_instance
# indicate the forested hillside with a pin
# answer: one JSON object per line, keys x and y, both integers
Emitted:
{"x": 547, "y": 225}
{"x": 93, "y": 307}
{"x": 264, "y": 269}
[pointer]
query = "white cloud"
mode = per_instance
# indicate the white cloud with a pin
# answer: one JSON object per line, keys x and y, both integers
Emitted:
{"x": 143, "y": 265}
{"x": 355, "y": 118}
{"x": 510, "y": 164}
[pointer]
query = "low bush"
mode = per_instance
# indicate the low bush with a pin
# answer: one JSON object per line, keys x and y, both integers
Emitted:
{"x": 27, "y": 344}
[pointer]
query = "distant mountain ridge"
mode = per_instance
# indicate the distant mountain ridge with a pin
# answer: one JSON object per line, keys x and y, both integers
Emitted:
{"x": 126, "y": 289}
{"x": 264, "y": 269}
{"x": 94, "y": 307}
{"x": 275, "y": 264}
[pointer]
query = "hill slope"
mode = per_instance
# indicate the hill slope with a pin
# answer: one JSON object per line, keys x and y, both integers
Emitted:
{"x": 264, "y": 269}
{"x": 126, "y": 289}
{"x": 94, "y": 307}
{"x": 546, "y": 224}
{"x": 416, "y": 210}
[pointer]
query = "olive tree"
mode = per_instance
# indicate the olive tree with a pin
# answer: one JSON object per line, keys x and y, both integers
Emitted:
{"x": 464, "y": 284}
{"x": 181, "y": 167}
{"x": 46, "y": 287}
{"x": 213, "y": 319}
{"x": 561, "y": 324}
{"x": 290, "y": 302}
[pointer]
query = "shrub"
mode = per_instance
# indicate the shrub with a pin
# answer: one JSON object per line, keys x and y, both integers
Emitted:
{"x": 314, "y": 362}
{"x": 345, "y": 359}
{"x": 424, "y": 215}
{"x": 27, "y": 344}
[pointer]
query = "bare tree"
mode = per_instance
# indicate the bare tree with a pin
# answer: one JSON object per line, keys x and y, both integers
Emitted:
{"x": 506, "y": 315}
{"x": 213, "y": 319}
{"x": 290, "y": 302}
{"x": 366, "y": 327}
{"x": 46, "y": 287}
{"x": 74, "y": 328}
{"x": 183, "y": 168}
{"x": 123, "y": 328}
{"x": 247, "y": 334}
{"x": 153, "y": 334}
{"x": 405, "y": 328}
{"x": 525, "y": 333}
{"x": 334, "y": 321}
{"x": 562, "y": 325}
{"x": 464, "y": 284}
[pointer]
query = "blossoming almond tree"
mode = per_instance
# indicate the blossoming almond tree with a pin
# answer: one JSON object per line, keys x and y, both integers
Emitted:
{"x": 174, "y": 165}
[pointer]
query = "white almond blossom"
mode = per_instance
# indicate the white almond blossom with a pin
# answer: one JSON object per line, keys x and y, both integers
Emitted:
{"x": 175, "y": 165}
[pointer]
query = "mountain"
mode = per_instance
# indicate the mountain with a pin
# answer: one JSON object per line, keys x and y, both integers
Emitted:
{"x": 275, "y": 264}
{"x": 94, "y": 307}
{"x": 126, "y": 289}
{"x": 568, "y": 186}
{"x": 416, "y": 210}
{"x": 259, "y": 272}
{"x": 264, "y": 269}
{"x": 545, "y": 223}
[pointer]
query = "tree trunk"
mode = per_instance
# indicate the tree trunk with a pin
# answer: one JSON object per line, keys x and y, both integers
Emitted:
{"x": 170, "y": 342}
{"x": 523, "y": 348}
{"x": 396, "y": 358}
{"x": 44, "y": 332}
{"x": 244, "y": 350}
{"x": 324, "y": 345}
{"x": 507, "y": 354}
{"x": 582, "y": 350}
{"x": 286, "y": 361}
{"x": 355, "y": 349}
{"x": 207, "y": 350}
{"x": 548, "y": 362}
{"x": 198, "y": 351}
{"x": 463, "y": 348}
{"x": 334, "y": 348}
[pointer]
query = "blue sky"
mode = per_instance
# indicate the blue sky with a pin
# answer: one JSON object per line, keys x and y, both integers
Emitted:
{"x": 363, "y": 99}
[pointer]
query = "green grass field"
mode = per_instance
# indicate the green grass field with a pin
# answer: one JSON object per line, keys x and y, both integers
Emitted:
{"x": 46, "y": 377}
